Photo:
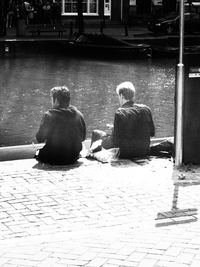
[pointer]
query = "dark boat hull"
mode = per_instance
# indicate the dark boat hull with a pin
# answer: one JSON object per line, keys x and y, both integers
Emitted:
{"x": 110, "y": 51}
{"x": 173, "y": 51}
{"x": 106, "y": 46}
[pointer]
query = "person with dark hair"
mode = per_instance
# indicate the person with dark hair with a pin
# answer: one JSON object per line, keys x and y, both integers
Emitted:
{"x": 133, "y": 126}
{"x": 62, "y": 129}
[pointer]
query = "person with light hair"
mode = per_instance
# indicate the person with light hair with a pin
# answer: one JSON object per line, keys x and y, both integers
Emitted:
{"x": 133, "y": 126}
{"x": 126, "y": 89}
{"x": 62, "y": 129}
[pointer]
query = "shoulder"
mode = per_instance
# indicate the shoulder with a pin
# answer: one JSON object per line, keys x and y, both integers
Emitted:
{"x": 142, "y": 107}
{"x": 51, "y": 113}
{"x": 121, "y": 112}
{"x": 47, "y": 113}
{"x": 133, "y": 111}
{"x": 75, "y": 110}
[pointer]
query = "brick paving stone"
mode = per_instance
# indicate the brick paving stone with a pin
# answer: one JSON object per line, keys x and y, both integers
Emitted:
{"x": 9, "y": 265}
{"x": 86, "y": 256}
{"x": 185, "y": 258}
{"x": 147, "y": 262}
{"x": 60, "y": 265}
{"x": 4, "y": 261}
{"x": 197, "y": 256}
{"x": 194, "y": 251}
{"x": 150, "y": 251}
{"x": 162, "y": 245}
{"x": 161, "y": 257}
{"x": 22, "y": 262}
{"x": 126, "y": 250}
{"x": 163, "y": 263}
{"x": 89, "y": 214}
{"x": 195, "y": 263}
{"x": 136, "y": 256}
{"x": 173, "y": 251}
{"x": 113, "y": 256}
{"x": 111, "y": 261}
{"x": 111, "y": 265}
{"x": 75, "y": 262}
{"x": 49, "y": 262}
{"x": 128, "y": 264}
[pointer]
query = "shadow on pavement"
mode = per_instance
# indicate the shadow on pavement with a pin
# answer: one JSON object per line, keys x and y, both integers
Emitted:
{"x": 176, "y": 215}
{"x": 48, "y": 167}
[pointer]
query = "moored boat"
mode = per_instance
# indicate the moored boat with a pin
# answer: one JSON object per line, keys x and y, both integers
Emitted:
{"x": 163, "y": 50}
{"x": 104, "y": 45}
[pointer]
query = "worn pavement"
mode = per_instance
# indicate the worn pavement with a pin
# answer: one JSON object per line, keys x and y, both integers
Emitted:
{"x": 122, "y": 213}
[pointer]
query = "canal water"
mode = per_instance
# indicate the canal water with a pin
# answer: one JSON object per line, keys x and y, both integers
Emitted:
{"x": 25, "y": 81}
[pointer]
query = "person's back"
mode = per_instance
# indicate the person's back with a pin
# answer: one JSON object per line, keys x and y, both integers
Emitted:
{"x": 132, "y": 129}
{"x": 63, "y": 129}
{"x": 133, "y": 126}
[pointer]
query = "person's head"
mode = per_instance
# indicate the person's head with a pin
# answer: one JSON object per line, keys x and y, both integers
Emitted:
{"x": 60, "y": 96}
{"x": 126, "y": 92}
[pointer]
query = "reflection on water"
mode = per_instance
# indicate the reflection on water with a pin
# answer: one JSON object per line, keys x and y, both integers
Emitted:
{"x": 25, "y": 83}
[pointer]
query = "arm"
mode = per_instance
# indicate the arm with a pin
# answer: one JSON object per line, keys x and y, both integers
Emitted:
{"x": 83, "y": 128}
{"x": 43, "y": 131}
{"x": 117, "y": 129}
{"x": 151, "y": 125}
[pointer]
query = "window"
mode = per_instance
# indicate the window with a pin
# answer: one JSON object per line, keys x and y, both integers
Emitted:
{"x": 70, "y": 6}
{"x": 157, "y": 2}
{"x": 90, "y": 7}
{"x": 132, "y": 2}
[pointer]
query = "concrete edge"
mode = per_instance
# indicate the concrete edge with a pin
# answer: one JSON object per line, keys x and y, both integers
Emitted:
{"x": 28, "y": 151}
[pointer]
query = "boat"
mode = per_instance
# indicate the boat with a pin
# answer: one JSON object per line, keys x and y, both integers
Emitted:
{"x": 173, "y": 50}
{"x": 104, "y": 45}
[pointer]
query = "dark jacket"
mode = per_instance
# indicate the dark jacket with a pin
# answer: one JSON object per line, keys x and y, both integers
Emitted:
{"x": 63, "y": 130}
{"x": 133, "y": 126}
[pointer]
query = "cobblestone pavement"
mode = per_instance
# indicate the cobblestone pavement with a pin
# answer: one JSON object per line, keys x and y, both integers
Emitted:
{"x": 92, "y": 214}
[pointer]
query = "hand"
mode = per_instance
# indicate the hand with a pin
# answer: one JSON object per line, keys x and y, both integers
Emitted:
{"x": 110, "y": 126}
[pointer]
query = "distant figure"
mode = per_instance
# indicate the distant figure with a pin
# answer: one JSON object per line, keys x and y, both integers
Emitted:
{"x": 56, "y": 12}
{"x": 133, "y": 126}
{"x": 10, "y": 14}
{"x": 62, "y": 128}
{"x": 47, "y": 10}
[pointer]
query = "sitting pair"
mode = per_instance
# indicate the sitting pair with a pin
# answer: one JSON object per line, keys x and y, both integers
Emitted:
{"x": 63, "y": 128}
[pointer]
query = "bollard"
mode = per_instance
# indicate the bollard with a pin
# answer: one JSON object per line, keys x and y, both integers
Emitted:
{"x": 126, "y": 29}
{"x": 101, "y": 26}
{"x": 71, "y": 27}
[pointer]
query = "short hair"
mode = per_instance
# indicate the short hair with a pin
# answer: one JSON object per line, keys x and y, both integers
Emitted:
{"x": 61, "y": 93}
{"x": 126, "y": 89}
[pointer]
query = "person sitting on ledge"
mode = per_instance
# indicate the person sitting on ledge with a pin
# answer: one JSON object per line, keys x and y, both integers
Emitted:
{"x": 132, "y": 129}
{"x": 62, "y": 129}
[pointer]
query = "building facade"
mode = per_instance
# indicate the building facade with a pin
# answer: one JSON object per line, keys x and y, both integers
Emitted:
{"x": 93, "y": 8}
{"x": 121, "y": 10}
{"x": 116, "y": 10}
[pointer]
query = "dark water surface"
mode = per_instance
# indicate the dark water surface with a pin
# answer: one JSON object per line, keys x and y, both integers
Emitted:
{"x": 25, "y": 82}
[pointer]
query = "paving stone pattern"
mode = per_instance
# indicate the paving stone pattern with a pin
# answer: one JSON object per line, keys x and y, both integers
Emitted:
{"x": 92, "y": 214}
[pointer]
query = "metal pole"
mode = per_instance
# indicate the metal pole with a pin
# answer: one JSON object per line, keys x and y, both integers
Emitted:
{"x": 180, "y": 90}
